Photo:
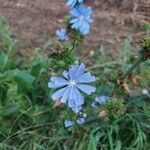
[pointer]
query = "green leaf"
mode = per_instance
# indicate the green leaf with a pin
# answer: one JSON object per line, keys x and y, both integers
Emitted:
{"x": 9, "y": 109}
{"x": 92, "y": 143}
{"x": 23, "y": 78}
{"x": 3, "y": 61}
{"x": 126, "y": 52}
{"x": 36, "y": 69}
{"x": 3, "y": 93}
{"x": 118, "y": 145}
{"x": 40, "y": 64}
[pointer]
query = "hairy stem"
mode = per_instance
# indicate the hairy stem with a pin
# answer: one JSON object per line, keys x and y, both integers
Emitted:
{"x": 132, "y": 68}
{"x": 108, "y": 64}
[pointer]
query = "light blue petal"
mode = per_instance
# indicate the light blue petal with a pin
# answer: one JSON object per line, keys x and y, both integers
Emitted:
{"x": 58, "y": 95}
{"x": 74, "y": 20}
{"x": 65, "y": 74}
{"x": 72, "y": 71}
{"x": 80, "y": 1}
{"x": 80, "y": 99}
{"x": 66, "y": 95}
{"x": 62, "y": 34}
{"x": 81, "y": 9}
{"x": 76, "y": 99}
{"x": 85, "y": 78}
{"x": 71, "y": 103}
{"x": 72, "y": 93}
{"x": 52, "y": 85}
{"x": 63, "y": 30}
{"x": 74, "y": 12}
{"x": 88, "y": 11}
{"x": 57, "y": 82}
{"x": 89, "y": 19}
{"x": 80, "y": 121}
{"x": 86, "y": 88}
{"x": 68, "y": 123}
{"x": 72, "y": 97}
{"x": 94, "y": 104}
{"x": 57, "y": 32}
{"x": 80, "y": 71}
{"x": 101, "y": 99}
{"x": 76, "y": 25}
{"x": 56, "y": 85}
{"x": 58, "y": 79}
{"x": 84, "y": 28}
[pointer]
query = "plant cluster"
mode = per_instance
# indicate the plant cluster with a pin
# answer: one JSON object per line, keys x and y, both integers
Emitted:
{"x": 74, "y": 109}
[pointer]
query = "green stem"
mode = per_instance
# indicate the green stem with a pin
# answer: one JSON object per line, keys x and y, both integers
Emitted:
{"x": 73, "y": 45}
{"x": 92, "y": 120}
{"x": 108, "y": 64}
{"x": 132, "y": 68}
{"x": 41, "y": 112}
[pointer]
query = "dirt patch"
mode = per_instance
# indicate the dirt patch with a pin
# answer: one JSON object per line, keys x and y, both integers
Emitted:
{"x": 34, "y": 22}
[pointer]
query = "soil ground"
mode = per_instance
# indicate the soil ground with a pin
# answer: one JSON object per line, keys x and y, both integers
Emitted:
{"x": 33, "y": 22}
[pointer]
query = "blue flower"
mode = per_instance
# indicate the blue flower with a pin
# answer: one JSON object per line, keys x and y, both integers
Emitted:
{"x": 81, "y": 119}
{"x": 101, "y": 100}
{"x": 68, "y": 123}
{"x": 71, "y": 84}
{"x": 94, "y": 104}
{"x": 72, "y": 3}
{"x": 62, "y": 35}
{"x": 81, "y": 18}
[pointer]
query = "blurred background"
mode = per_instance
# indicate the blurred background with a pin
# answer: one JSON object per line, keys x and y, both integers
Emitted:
{"x": 34, "y": 22}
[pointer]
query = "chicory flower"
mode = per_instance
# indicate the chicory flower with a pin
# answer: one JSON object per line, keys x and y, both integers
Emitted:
{"x": 81, "y": 119}
{"x": 62, "y": 35}
{"x": 81, "y": 18}
{"x": 71, "y": 85}
{"x": 101, "y": 100}
{"x": 68, "y": 123}
{"x": 72, "y": 3}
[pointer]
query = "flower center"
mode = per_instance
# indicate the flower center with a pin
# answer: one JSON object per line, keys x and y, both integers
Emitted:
{"x": 72, "y": 82}
{"x": 81, "y": 18}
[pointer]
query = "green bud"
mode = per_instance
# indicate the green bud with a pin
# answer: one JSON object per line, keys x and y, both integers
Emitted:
{"x": 61, "y": 63}
{"x": 145, "y": 48}
{"x": 116, "y": 107}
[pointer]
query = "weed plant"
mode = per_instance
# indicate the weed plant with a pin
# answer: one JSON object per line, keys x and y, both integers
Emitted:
{"x": 29, "y": 120}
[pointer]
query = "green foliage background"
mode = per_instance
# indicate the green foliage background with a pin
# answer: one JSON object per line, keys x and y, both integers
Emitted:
{"x": 28, "y": 120}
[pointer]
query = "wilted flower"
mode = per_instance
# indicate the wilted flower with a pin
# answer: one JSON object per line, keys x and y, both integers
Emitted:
{"x": 103, "y": 113}
{"x": 81, "y": 18}
{"x": 62, "y": 35}
{"x": 101, "y": 100}
{"x": 72, "y": 3}
{"x": 71, "y": 84}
